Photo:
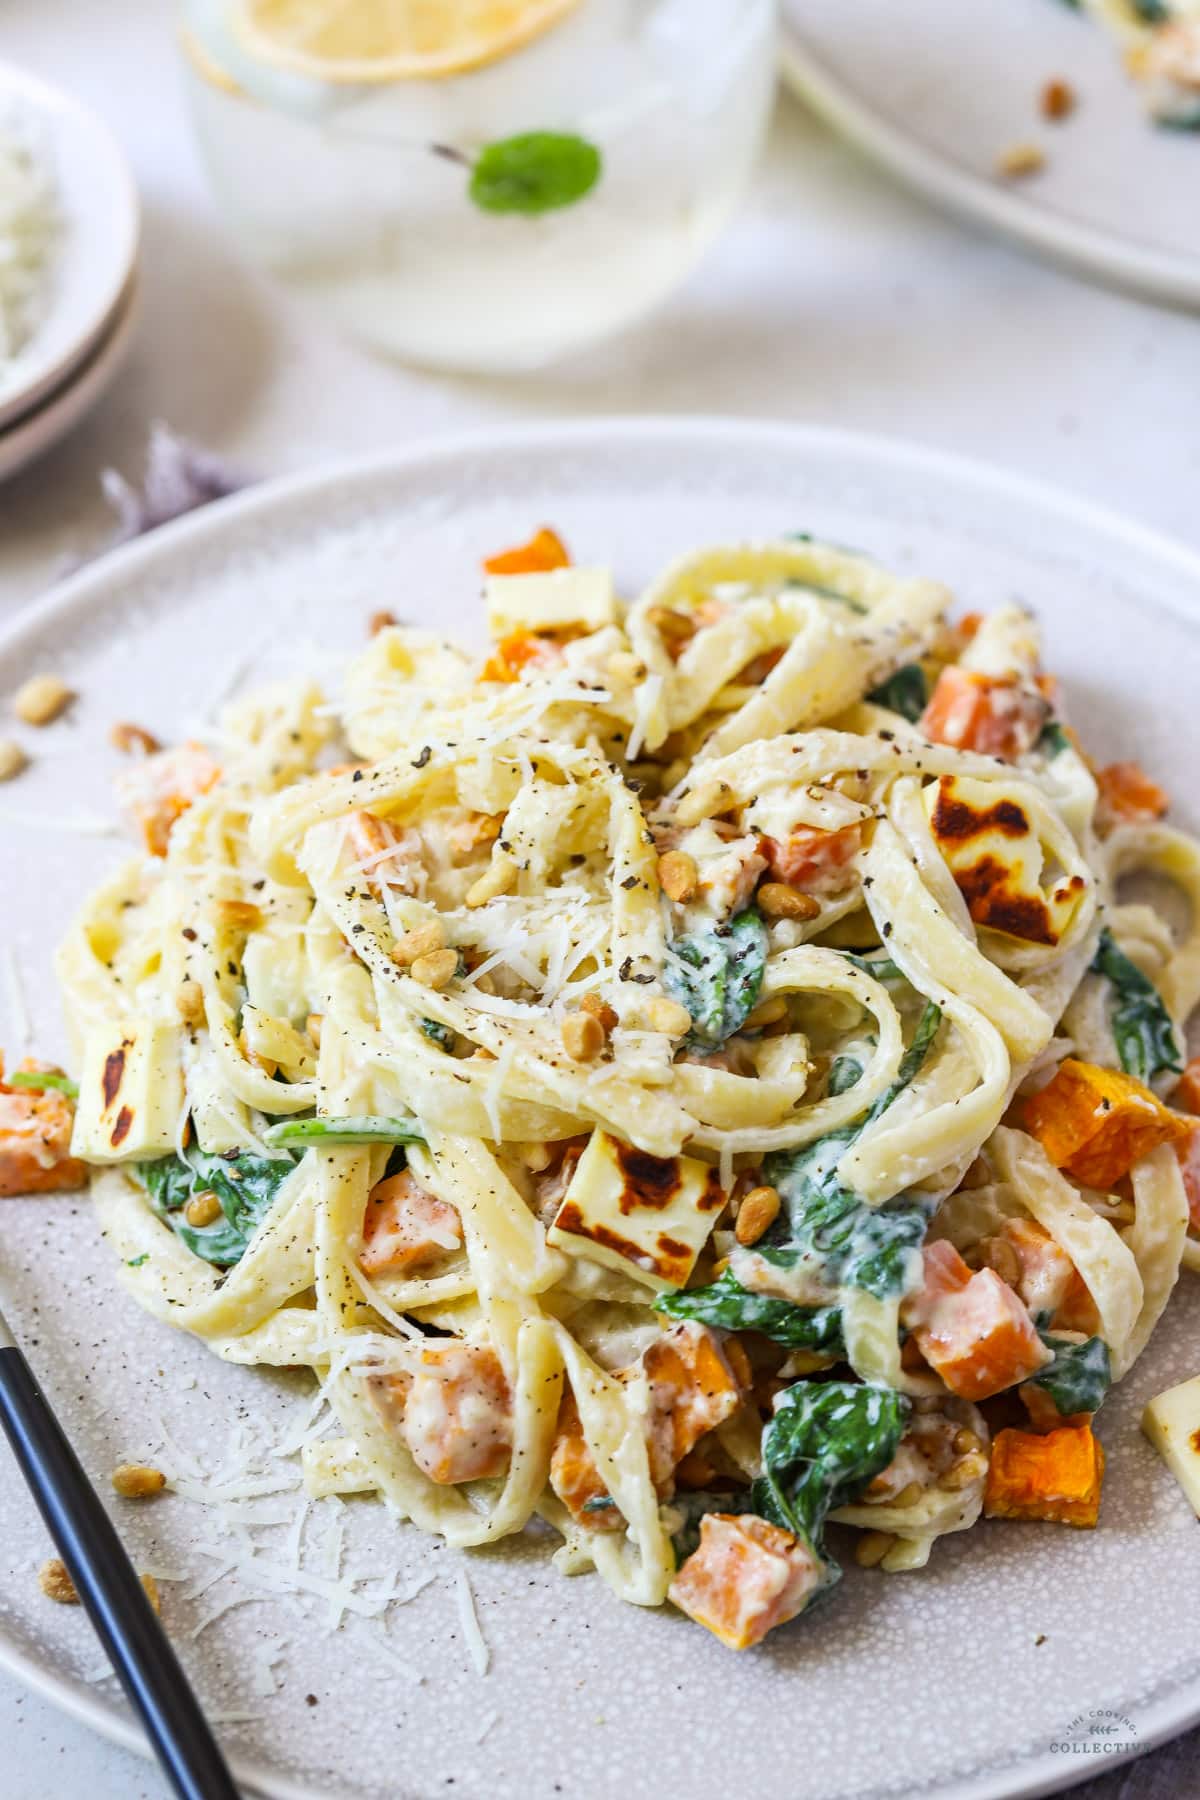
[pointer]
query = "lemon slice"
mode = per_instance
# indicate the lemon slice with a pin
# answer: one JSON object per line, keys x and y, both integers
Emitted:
{"x": 388, "y": 40}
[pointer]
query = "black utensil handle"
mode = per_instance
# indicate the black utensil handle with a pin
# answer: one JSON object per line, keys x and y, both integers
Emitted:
{"x": 105, "y": 1580}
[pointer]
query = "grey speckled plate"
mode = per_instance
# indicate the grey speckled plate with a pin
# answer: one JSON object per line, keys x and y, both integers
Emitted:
{"x": 957, "y": 1681}
{"x": 935, "y": 91}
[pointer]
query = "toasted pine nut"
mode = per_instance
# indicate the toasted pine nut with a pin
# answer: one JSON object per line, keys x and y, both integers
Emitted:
{"x": 133, "y": 740}
{"x": 202, "y": 1209}
{"x": 757, "y": 1213}
{"x": 1020, "y": 160}
{"x": 965, "y": 1440}
{"x": 872, "y": 1547}
{"x": 667, "y": 1015}
{"x": 56, "y": 1584}
{"x": 12, "y": 759}
{"x": 1000, "y": 1255}
{"x": 601, "y": 1010}
{"x": 422, "y": 940}
{"x": 1057, "y": 99}
{"x": 704, "y": 802}
{"x": 436, "y": 969}
{"x": 313, "y": 1027}
{"x": 969, "y": 1468}
{"x": 41, "y": 699}
{"x": 767, "y": 1012}
{"x": 780, "y": 900}
{"x": 719, "y": 1267}
{"x": 908, "y": 1496}
{"x": 189, "y": 1002}
{"x": 242, "y": 915}
{"x": 498, "y": 878}
{"x": 678, "y": 875}
{"x": 536, "y": 1157}
{"x": 151, "y": 1586}
{"x": 137, "y": 1481}
{"x": 582, "y": 1036}
{"x": 379, "y": 621}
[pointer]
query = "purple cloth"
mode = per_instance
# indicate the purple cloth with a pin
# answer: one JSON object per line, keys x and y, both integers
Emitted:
{"x": 179, "y": 477}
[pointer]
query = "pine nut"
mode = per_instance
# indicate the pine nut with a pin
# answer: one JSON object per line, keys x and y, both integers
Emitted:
{"x": 601, "y": 1010}
{"x": 1020, "y": 160}
{"x": 133, "y": 740}
{"x": 498, "y": 878}
{"x": 189, "y": 1002}
{"x": 42, "y": 699}
{"x": 582, "y": 1036}
{"x": 12, "y": 759}
{"x": 313, "y": 1027}
{"x": 667, "y": 1015}
{"x": 1000, "y": 1255}
{"x": 965, "y": 1440}
{"x": 137, "y": 1481}
{"x": 872, "y": 1547}
{"x": 972, "y": 1467}
{"x": 678, "y": 875}
{"x": 240, "y": 915}
{"x": 422, "y": 940}
{"x": 908, "y": 1495}
{"x": 767, "y": 1012}
{"x": 757, "y": 1213}
{"x": 56, "y": 1584}
{"x": 202, "y": 1209}
{"x": 379, "y": 621}
{"x": 780, "y": 900}
{"x": 151, "y": 1587}
{"x": 536, "y": 1157}
{"x": 1057, "y": 99}
{"x": 436, "y": 969}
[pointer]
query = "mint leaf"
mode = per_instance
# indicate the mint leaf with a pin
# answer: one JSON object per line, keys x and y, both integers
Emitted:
{"x": 536, "y": 172}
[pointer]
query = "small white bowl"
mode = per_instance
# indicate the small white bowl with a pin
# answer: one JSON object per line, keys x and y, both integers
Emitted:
{"x": 34, "y": 433}
{"x": 97, "y": 247}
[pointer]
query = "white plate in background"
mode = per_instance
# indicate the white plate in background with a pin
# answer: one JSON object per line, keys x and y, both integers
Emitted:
{"x": 936, "y": 91}
{"x": 94, "y": 257}
{"x": 954, "y": 1682}
{"x": 60, "y": 411}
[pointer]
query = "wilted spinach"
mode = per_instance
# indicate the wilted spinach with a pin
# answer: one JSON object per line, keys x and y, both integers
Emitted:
{"x": 717, "y": 974}
{"x": 731, "y": 1307}
{"x": 246, "y": 1186}
{"x": 906, "y": 692}
{"x": 1141, "y": 1025}
{"x": 826, "y": 1441}
{"x": 1079, "y": 1377}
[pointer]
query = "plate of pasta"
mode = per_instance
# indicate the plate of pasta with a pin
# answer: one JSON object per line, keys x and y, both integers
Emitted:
{"x": 627, "y": 1040}
{"x": 1080, "y": 144}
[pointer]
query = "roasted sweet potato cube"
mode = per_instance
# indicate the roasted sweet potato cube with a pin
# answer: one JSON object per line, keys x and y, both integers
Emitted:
{"x": 1055, "y": 1476}
{"x": 696, "y": 1383}
{"x": 1095, "y": 1123}
{"x": 575, "y": 1477}
{"x": 1128, "y": 796}
{"x": 1187, "y": 1094}
{"x": 971, "y": 1328}
{"x": 1049, "y": 1281}
{"x": 405, "y": 1225}
{"x": 458, "y": 1413}
{"x": 157, "y": 790}
{"x": 746, "y": 1577}
{"x": 544, "y": 551}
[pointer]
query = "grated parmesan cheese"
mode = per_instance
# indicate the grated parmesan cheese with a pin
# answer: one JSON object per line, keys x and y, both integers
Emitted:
{"x": 30, "y": 226}
{"x": 469, "y": 1618}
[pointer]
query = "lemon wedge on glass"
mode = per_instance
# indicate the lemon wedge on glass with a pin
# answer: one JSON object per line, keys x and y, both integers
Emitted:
{"x": 361, "y": 41}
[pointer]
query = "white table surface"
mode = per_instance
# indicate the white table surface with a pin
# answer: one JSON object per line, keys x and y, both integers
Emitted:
{"x": 834, "y": 298}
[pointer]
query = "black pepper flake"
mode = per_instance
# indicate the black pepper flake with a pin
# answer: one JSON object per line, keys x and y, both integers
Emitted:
{"x": 630, "y": 881}
{"x": 625, "y": 969}
{"x": 189, "y": 934}
{"x": 419, "y": 762}
{"x": 887, "y": 929}
{"x": 357, "y": 775}
{"x": 889, "y": 737}
{"x": 355, "y": 929}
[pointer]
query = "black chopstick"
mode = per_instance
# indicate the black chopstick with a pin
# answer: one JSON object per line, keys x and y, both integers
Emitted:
{"x": 124, "y": 1620}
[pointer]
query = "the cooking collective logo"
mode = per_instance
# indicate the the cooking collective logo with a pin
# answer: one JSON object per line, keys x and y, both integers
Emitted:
{"x": 1101, "y": 1732}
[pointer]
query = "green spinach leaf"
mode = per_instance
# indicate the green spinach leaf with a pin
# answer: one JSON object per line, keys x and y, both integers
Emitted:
{"x": 246, "y": 1186}
{"x": 826, "y": 1441}
{"x": 438, "y": 1034}
{"x": 368, "y": 1129}
{"x": 1140, "y": 1022}
{"x": 906, "y": 692}
{"x": 731, "y": 1307}
{"x": 1053, "y": 740}
{"x": 47, "y": 1078}
{"x": 1079, "y": 1377}
{"x": 717, "y": 974}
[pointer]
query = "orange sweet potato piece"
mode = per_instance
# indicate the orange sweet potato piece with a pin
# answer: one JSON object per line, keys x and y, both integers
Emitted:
{"x": 811, "y": 858}
{"x": 35, "y": 1138}
{"x": 994, "y": 714}
{"x": 1095, "y": 1123}
{"x": 1128, "y": 796}
{"x": 520, "y": 650}
{"x": 458, "y": 1413}
{"x": 972, "y": 1328}
{"x": 1049, "y": 1281}
{"x": 1188, "y": 1152}
{"x": 157, "y": 790}
{"x": 544, "y": 551}
{"x": 1187, "y": 1093}
{"x": 405, "y": 1225}
{"x": 575, "y": 1477}
{"x": 746, "y": 1577}
{"x": 1056, "y": 1475}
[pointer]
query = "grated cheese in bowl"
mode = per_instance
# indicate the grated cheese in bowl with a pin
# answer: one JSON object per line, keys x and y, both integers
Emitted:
{"x": 29, "y": 228}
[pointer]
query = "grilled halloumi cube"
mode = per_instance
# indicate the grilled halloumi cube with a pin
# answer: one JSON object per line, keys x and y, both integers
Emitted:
{"x": 560, "y": 600}
{"x": 993, "y": 850}
{"x": 647, "y": 1216}
{"x": 1172, "y": 1423}
{"x": 130, "y": 1092}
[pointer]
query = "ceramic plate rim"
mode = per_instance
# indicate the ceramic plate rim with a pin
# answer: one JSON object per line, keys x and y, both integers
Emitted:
{"x": 1006, "y": 211}
{"x": 37, "y": 432}
{"x": 1040, "y": 1772}
{"x": 50, "y": 363}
